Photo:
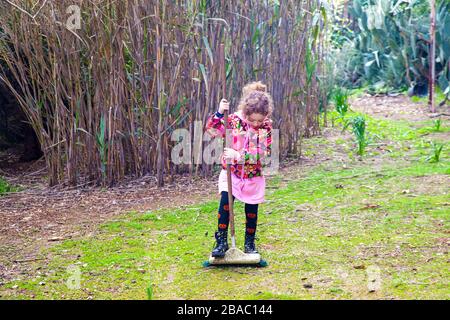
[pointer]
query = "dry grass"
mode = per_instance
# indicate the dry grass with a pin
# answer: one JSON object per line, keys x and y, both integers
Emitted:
{"x": 104, "y": 99}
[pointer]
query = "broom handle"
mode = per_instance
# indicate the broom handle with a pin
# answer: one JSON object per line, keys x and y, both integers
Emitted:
{"x": 230, "y": 189}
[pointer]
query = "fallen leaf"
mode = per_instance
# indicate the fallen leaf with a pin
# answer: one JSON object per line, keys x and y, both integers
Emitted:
{"x": 56, "y": 239}
{"x": 360, "y": 266}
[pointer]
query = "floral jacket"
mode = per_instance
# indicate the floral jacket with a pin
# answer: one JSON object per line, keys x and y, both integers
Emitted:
{"x": 252, "y": 144}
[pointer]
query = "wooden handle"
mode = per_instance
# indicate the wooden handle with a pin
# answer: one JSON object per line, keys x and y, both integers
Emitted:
{"x": 230, "y": 188}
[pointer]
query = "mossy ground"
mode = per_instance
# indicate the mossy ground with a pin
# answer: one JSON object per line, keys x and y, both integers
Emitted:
{"x": 375, "y": 227}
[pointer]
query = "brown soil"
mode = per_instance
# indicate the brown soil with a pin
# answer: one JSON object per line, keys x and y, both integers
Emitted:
{"x": 40, "y": 216}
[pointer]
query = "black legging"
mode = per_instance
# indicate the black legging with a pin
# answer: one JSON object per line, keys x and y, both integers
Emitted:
{"x": 251, "y": 214}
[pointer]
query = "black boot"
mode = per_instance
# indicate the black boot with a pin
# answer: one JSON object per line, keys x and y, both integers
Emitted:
{"x": 249, "y": 246}
{"x": 221, "y": 244}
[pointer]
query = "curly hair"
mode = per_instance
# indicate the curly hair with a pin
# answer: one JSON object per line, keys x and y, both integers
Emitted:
{"x": 256, "y": 99}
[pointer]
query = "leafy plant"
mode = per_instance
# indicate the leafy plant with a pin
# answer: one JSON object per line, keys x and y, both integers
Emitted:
{"x": 4, "y": 186}
{"x": 359, "y": 129}
{"x": 436, "y": 152}
{"x": 389, "y": 49}
{"x": 437, "y": 124}
{"x": 340, "y": 98}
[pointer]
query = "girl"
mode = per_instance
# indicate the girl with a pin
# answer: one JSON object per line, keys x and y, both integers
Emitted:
{"x": 251, "y": 133}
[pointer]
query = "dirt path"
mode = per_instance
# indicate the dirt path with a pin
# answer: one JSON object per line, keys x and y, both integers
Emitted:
{"x": 398, "y": 107}
{"x": 38, "y": 217}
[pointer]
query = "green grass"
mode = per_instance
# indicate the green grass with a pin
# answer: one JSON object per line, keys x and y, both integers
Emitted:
{"x": 439, "y": 96}
{"x": 324, "y": 233}
{"x": 358, "y": 92}
{"x": 398, "y": 139}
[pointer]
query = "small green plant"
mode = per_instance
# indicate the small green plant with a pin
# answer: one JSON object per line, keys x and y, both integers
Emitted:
{"x": 150, "y": 292}
{"x": 5, "y": 187}
{"x": 437, "y": 124}
{"x": 340, "y": 98}
{"x": 435, "y": 152}
{"x": 416, "y": 99}
{"x": 359, "y": 129}
{"x": 102, "y": 145}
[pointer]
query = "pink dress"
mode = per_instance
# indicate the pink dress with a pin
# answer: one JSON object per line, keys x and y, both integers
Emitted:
{"x": 248, "y": 183}
{"x": 250, "y": 190}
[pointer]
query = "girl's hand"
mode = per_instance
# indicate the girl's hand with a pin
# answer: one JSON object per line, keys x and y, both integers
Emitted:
{"x": 224, "y": 105}
{"x": 231, "y": 154}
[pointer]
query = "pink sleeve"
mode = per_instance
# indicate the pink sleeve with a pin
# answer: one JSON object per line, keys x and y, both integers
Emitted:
{"x": 215, "y": 126}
